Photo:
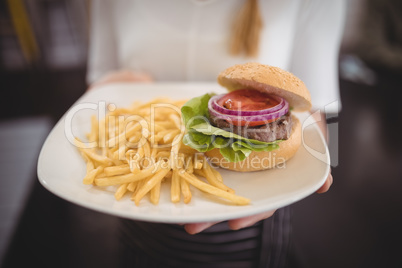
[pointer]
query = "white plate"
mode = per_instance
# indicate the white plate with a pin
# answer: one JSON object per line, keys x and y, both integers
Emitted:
{"x": 61, "y": 168}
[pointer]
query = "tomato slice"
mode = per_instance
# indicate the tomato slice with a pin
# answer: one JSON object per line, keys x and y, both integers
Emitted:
{"x": 248, "y": 100}
{"x": 252, "y": 124}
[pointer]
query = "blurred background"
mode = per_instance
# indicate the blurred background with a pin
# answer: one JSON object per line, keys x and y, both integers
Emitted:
{"x": 43, "y": 51}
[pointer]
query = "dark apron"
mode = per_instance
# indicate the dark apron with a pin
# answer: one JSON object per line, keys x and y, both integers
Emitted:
{"x": 264, "y": 244}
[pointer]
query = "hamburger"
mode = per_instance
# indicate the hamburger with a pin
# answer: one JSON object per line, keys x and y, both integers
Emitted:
{"x": 250, "y": 128}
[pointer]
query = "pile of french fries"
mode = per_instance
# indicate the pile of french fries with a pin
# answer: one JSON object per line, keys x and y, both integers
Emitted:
{"x": 140, "y": 147}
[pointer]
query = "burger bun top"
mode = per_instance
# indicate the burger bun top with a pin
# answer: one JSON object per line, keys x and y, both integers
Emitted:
{"x": 272, "y": 80}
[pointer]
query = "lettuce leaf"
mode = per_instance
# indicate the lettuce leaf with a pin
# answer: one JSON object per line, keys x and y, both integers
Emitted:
{"x": 203, "y": 136}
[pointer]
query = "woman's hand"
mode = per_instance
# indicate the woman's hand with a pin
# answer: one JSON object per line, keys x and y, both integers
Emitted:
{"x": 122, "y": 76}
{"x": 236, "y": 224}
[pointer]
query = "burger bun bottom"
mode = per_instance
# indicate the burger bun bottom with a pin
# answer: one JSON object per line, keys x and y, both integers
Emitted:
{"x": 257, "y": 161}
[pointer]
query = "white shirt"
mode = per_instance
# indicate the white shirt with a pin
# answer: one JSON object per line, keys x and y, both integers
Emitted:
{"x": 188, "y": 40}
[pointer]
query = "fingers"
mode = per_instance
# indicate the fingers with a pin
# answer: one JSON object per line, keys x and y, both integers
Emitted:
{"x": 122, "y": 76}
{"x": 195, "y": 228}
{"x": 249, "y": 221}
{"x": 325, "y": 187}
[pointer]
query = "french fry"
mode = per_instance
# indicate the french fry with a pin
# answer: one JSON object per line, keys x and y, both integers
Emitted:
{"x": 127, "y": 178}
{"x": 170, "y": 135}
{"x": 120, "y": 191}
{"x": 154, "y": 151}
{"x": 190, "y": 178}
{"x": 100, "y": 175}
{"x": 132, "y": 186}
{"x": 217, "y": 175}
{"x": 168, "y": 175}
{"x": 90, "y": 177}
{"x": 150, "y": 184}
{"x": 117, "y": 162}
{"x": 175, "y": 187}
{"x": 209, "y": 175}
{"x": 114, "y": 128}
{"x": 134, "y": 139}
{"x": 176, "y": 120}
{"x": 115, "y": 180}
{"x": 163, "y": 154}
{"x": 185, "y": 189}
{"x": 96, "y": 157}
{"x": 133, "y": 159}
{"x": 117, "y": 170}
{"x": 120, "y": 111}
{"x": 189, "y": 164}
{"x": 145, "y": 133}
{"x": 147, "y": 155}
{"x": 140, "y": 152}
{"x": 109, "y": 152}
{"x": 140, "y": 184}
{"x": 155, "y": 193}
{"x": 166, "y": 125}
{"x": 199, "y": 172}
{"x": 90, "y": 165}
{"x": 187, "y": 150}
{"x": 120, "y": 154}
{"x": 147, "y": 149}
{"x": 175, "y": 149}
{"x": 123, "y": 136}
{"x": 197, "y": 161}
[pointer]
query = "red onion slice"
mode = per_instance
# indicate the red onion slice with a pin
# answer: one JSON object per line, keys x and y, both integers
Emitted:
{"x": 223, "y": 110}
{"x": 251, "y": 118}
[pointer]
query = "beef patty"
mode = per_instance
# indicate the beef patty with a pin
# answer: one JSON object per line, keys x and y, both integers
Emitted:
{"x": 277, "y": 130}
